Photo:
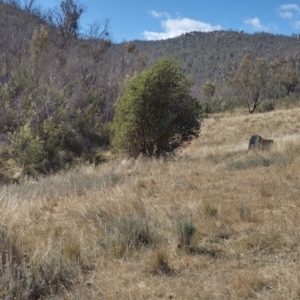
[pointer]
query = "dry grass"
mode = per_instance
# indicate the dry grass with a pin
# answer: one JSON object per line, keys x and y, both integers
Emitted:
{"x": 111, "y": 232}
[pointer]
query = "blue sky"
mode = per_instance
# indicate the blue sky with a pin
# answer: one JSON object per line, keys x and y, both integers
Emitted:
{"x": 162, "y": 19}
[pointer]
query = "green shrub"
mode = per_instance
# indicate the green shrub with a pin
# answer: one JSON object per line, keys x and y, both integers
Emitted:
{"x": 156, "y": 115}
{"x": 28, "y": 149}
{"x": 39, "y": 152}
{"x": 53, "y": 135}
{"x": 89, "y": 122}
{"x": 265, "y": 106}
{"x": 222, "y": 104}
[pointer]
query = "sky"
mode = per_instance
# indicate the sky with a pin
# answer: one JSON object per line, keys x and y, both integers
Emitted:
{"x": 163, "y": 19}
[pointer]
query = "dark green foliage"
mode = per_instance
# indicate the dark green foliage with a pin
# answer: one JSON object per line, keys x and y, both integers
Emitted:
{"x": 28, "y": 149}
{"x": 156, "y": 115}
{"x": 38, "y": 152}
{"x": 88, "y": 121}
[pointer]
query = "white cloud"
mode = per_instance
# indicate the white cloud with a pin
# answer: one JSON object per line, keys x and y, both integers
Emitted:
{"x": 297, "y": 25}
{"x": 288, "y": 11}
{"x": 291, "y": 12}
{"x": 255, "y": 22}
{"x": 286, "y": 15}
{"x": 290, "y": 7}
{"x": 175, "y": 27}
{"x": 159, "y": 14}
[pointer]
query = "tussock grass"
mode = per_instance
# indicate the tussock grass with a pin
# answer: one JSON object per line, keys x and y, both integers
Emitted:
{"x": 111, "y": 231}
{"x": 126, "y": 233}
{"x": 244, "y": 211}
{"x": 77, "y": 181}
{"x": 185, "y": 231}
{"x": 209, "y": 210}
{"x": 160, "y": 263}
{"x": 257, "y": 161}
{"x": 22, "y": 277}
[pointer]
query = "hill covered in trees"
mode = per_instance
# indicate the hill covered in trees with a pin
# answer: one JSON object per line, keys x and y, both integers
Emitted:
{"x": 202, "y": 53}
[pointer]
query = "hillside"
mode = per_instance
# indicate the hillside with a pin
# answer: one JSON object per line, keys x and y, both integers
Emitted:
{"x": 203, "y": 53}
{"x": 112, "y": 231}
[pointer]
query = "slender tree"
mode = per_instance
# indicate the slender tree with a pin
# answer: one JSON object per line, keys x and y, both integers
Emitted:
{"x": 249, "y": 78}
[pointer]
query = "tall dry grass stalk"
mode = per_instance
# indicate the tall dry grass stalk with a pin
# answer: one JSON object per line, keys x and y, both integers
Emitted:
{"x": 90, "y": 233}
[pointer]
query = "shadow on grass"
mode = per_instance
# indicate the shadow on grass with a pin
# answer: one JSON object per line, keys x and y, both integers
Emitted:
{"x": 195, "y": 250}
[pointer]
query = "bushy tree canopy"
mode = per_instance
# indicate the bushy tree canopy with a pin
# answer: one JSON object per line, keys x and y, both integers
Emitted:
{"x": 156, "y": 114}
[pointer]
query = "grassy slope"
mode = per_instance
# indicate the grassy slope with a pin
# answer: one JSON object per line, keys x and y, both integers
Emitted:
{"x": 244, "y": 205}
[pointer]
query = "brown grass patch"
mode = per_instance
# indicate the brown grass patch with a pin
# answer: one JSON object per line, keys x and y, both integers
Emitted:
{"x": 110, "y": 231}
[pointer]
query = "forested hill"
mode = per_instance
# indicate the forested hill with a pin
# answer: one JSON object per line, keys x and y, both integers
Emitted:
{"x": 202, "y": 53}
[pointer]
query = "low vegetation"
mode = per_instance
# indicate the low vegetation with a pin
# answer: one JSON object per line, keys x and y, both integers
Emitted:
{"x": 215, "y": 222}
